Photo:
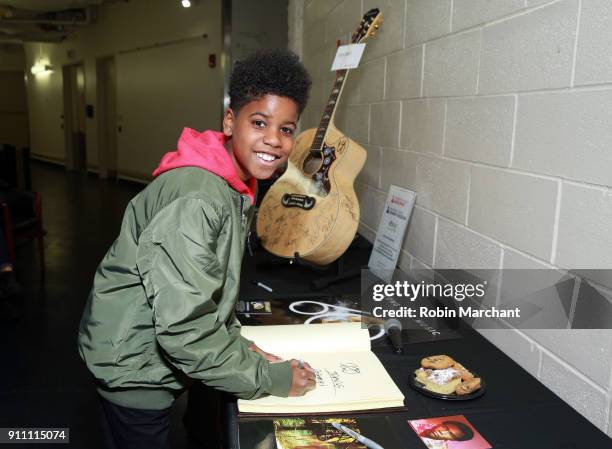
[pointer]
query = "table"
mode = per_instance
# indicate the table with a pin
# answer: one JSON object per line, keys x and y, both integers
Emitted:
{"x": 517, "y": 411}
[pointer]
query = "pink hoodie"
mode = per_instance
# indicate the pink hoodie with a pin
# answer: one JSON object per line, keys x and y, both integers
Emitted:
{"x": 206, "y": 150}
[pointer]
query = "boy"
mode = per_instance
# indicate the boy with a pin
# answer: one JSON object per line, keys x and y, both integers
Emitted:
{"x": 161, "y": 311}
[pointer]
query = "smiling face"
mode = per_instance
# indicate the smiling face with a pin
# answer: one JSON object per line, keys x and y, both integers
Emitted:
{"x": 444, "y": 431}
{"x": 262, "y": 134}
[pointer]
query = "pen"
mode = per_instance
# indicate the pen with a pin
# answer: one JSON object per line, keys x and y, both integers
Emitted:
{"x": 363, "y": 440}
{"x": 262, "y": 285}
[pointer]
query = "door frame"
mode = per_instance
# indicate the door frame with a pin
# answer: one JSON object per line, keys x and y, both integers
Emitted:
{"x": 107, "y": 120}
{"x": 69, "y": 82}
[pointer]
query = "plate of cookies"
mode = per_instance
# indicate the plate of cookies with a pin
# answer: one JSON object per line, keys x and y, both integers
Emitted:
{"x": 442, "y": 377}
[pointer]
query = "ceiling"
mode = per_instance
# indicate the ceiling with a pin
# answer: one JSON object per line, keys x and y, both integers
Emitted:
{"x": 44, "y": 20}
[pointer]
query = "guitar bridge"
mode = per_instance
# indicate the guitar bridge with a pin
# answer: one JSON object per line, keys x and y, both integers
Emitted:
{"x": 298, "y": 200}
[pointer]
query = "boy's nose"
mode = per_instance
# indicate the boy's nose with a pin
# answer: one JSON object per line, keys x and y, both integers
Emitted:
{"x": 272, "y": 138}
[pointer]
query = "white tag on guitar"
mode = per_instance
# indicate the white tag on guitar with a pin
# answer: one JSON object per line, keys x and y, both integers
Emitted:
{"x": 348, "y": 56}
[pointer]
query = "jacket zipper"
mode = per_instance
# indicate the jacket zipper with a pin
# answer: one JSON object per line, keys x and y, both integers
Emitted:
{"x": 248, "y": 244}
{"x": 243, "y": 218}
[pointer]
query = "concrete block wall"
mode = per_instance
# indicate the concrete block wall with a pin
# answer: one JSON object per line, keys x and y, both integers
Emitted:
{"x": 498, "y": 113}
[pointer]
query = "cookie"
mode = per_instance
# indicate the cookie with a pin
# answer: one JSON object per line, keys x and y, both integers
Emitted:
{"x": 463, "y": 371}
{"x": 466, "y": 375}
{"x": 468, "y": 386}
{"x": 439, "y": 381}
{"x": 437, "y": 362}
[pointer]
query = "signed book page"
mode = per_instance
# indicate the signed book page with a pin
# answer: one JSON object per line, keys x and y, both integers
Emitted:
{"x": 349, "y": 376}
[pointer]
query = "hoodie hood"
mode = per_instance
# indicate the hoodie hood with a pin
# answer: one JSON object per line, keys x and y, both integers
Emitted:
{"x": 206, "y": 150}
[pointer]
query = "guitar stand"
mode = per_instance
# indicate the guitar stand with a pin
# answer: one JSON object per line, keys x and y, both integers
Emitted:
{"x": 342, "y": 274}
{"x": 295, "y": 260}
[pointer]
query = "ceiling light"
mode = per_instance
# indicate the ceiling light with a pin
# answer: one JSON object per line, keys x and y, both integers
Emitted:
{"x": 186, "y": 3}
{"x": 40, "y": 68}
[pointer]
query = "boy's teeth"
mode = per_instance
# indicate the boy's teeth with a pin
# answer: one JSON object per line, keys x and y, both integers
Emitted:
{"x": 265, "y": 156}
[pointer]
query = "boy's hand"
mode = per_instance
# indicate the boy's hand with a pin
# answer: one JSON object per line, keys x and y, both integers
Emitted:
{"x": 303, "y": 379}
{"x": 266, "y": 355}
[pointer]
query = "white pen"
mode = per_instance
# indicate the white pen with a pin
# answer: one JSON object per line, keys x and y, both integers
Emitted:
{"x": 262, "y": 285}
{"x": 363, "y": 440}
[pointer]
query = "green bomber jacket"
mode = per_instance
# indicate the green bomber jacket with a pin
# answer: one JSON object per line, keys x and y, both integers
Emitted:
{"x": 161, "y": 309}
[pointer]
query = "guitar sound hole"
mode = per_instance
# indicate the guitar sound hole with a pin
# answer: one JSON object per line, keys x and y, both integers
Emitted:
{"x": 312, "y": 163}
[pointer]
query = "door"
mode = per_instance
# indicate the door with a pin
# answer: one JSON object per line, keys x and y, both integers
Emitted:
{"x": 74, "y": 116}
{"x": 107, "y": 117}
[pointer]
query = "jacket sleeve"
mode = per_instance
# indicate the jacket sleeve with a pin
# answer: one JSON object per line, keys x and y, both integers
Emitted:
{"x": 183, "y": 280}
{"x": 234, "y": 328}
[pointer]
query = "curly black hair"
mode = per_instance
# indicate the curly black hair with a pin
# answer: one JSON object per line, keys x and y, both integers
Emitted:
{"x": 277, "y": 72}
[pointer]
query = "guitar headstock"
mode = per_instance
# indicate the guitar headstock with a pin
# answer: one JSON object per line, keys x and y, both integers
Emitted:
{"x": 369, "y": 25}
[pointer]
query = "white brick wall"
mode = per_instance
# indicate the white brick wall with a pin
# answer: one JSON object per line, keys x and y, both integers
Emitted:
{"x": 566, "y": 135}
{"x": 421, "y": 234}
{"x": 442, "y": 186}
{"x": 590, "y": 351}
{"x": 341, "y": 21}
{"x": 423, "y": 125}
{"x": 458, "y": 247}
{"x": 594, "y": 63}
{"x": 467, "y": 13}
{"x": 426, "y": 19}
{"x": 585, "y": 396}
{"x": 479, "y": 129}
{"x": 451, "y": 65}
{"x": 384, "y": 124}
{"x": 371, "y": 83}
{"x": 389, "y": 41}
{"x": 531, "y": 51}
{"x": 357, "y": 123}
{"x": 522, "y": 350}
{"x": 514, "y": 208}
{"x": 585, "y": 221}
{"x": 498, "y": 113}
{"x": 400, "y": 169}
{"x": 403, "y": 78}
{"x": 371, "y": 170}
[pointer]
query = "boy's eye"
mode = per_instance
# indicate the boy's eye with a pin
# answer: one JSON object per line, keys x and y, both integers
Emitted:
{"x": 259, "y": 123}
{"x": 287, "y": 131}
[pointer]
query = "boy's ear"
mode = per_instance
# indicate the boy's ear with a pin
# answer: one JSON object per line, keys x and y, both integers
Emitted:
{"x": 228, "y": 122}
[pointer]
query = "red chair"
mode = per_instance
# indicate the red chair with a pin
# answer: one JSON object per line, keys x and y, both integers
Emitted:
{"x": 23, "y": 228}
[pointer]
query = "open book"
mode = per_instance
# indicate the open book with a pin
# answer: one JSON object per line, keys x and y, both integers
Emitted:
{"x": 349, "y": 376}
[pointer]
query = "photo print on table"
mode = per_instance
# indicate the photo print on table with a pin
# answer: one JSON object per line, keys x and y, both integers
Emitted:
{"x": 448, "y": 432}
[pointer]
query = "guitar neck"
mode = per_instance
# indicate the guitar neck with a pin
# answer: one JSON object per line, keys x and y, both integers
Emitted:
{"x": 330, "y": 109}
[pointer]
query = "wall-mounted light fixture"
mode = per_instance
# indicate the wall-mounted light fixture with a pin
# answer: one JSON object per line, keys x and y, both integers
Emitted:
{"x": 186, "y": 3}
{"x": 39, "y": 68}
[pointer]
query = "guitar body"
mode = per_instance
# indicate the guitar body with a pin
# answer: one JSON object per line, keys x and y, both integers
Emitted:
{"x": 288, "y": 222}
{"x": 312, "y": 211}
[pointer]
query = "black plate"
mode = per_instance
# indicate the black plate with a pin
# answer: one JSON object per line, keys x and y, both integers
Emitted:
{"x": 448, "y": 397}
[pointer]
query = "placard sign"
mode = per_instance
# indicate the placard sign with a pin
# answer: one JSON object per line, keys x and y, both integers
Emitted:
{"x": 391, "y": 230}
{"x": 348, "y": 56}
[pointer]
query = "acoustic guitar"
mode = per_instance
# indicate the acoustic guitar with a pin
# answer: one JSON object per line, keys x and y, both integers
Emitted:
{"x": 311, "y": 211}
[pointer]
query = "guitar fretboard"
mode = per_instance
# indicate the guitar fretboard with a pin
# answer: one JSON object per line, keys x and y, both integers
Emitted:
{"x": 328, "y": 113}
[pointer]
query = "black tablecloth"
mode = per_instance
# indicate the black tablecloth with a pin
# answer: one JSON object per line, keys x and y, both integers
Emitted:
{"x": 517, "y": 411}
